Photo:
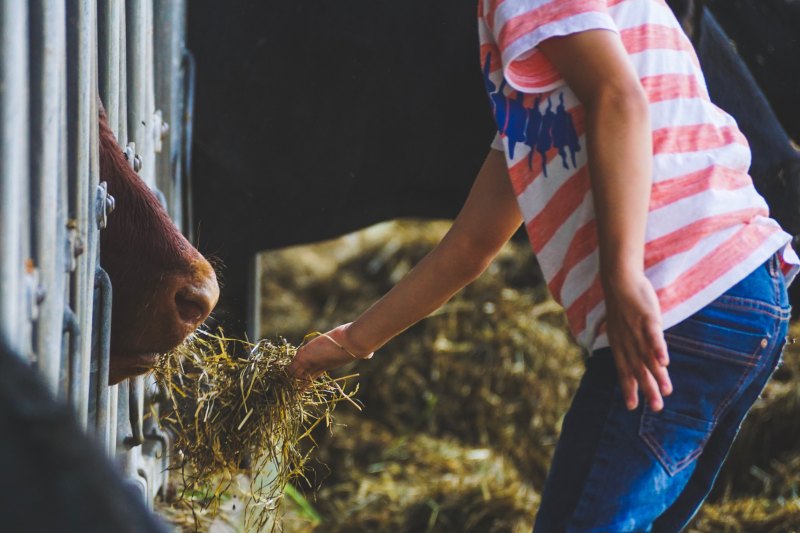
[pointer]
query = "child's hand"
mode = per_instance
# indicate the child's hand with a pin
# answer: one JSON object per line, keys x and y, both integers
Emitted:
{"x": 637, "y": 340}
{"x": 326, "y": 352}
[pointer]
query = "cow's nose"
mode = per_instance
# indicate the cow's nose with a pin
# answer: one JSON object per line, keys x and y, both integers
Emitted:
{"x": 195, "y": 300}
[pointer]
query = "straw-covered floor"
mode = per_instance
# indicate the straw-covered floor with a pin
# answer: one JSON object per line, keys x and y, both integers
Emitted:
{"x": 462, "y": 412}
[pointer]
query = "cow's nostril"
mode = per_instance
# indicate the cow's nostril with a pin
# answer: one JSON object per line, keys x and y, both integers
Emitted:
{"x": 193, "y": 306}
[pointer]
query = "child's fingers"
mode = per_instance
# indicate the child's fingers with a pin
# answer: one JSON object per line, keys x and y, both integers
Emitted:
{"x": 627, "y": 381}
{"x": 657, "y": 371}
{"x": 657, "y": 358}
{"x": 648, "y": 385}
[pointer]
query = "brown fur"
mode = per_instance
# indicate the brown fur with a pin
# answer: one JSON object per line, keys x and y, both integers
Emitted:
{"x": 149, "y": 262}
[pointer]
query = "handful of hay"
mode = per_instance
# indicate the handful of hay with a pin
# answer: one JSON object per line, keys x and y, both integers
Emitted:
{"x": 231, "y": 402}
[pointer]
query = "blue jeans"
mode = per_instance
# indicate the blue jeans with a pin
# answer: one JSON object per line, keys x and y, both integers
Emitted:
{"x": 619, "y": 470}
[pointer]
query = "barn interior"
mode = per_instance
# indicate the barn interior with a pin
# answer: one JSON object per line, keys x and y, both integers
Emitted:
{"x": 460, "y": 415}
{"x": 461, "y": 412}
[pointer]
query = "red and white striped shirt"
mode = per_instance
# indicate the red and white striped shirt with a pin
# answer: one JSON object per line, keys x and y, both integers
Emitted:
{"x": 707, "y": 228}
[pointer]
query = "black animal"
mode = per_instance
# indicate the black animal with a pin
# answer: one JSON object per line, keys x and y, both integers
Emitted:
{"x": 317, "y": 118}
{"x": 54, "y": 477}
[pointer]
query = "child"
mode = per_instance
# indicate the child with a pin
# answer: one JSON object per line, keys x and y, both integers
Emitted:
{"x": 634, "y": 191}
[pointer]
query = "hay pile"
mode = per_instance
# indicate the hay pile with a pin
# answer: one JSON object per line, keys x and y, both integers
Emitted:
{"x": 230, "y": 402}
{"x": 417, "y": 483}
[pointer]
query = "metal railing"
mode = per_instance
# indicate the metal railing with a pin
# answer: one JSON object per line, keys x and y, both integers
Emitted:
{"x": 57, "y": 57}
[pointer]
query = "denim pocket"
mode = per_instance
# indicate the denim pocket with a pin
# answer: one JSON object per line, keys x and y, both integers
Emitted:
{"x": 675, "y": 439}
{"x": 704, "y": 338}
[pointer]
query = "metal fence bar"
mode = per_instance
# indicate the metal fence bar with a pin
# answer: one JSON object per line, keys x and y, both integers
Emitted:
{"x": 72, "y": 383}
{"x": 122, "y": 126}
{"x": 136, "y": 409}
{"x": 187, "y": 136}
{"x": 148, "y": 149}
{"x": 13, "y": 169}
{"x": 111, "y": 46}
{"x": 82, "y": 95}
{"x": 48, "y": 220}
{"x": 102, "y": 324}
{"x": 108, "y": 18}
{"x": 77, "y": 49}
{"x": 169, "y": 20}
{"x": 111, "y": 431}
{"x": 135, "y": 18}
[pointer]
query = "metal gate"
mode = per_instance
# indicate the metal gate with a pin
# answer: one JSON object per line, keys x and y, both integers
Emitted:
{"x": 56, "y": 58}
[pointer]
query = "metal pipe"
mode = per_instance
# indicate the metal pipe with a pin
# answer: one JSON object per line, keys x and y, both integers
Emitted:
{"x": 13, "y": 170}
{"x": 80, "y": 93}
{"x": 135, "y": 18}
{"x": 103, "y": 327}
{"x": 63, "y": 231}
{"x": 108, "y": 17}
{"x": 122, "y": 126}
{"x": 168, "y": 36}
{"x": 47, "y": 25}
{"x": 148, "y": 150}
{"x": 113, "y": 405}
{"x": 189, "y": 77}
{"x": 136, "y": 411}
{"x": 73, "y": 329}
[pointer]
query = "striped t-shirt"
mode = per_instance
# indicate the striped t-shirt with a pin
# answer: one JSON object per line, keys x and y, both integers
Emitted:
{"x": 707, "y": 228}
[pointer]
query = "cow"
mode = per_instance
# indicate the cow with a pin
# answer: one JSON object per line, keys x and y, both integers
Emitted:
{"x": 163, "y": 288}
{"x": 325, "y": 117}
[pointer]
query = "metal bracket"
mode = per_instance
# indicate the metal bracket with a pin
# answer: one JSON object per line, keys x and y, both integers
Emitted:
{"x": 104, "y": 205}
{"x": 134, "y": 159}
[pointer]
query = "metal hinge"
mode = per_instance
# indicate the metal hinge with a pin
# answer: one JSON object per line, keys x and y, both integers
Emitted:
{"x": 134, "y": 159}
{"x": 104, "y": 205}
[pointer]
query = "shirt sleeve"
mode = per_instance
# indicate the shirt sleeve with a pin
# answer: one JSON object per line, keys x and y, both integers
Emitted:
{"x": 497, "y": 143}
{"x": 519, "y": 26}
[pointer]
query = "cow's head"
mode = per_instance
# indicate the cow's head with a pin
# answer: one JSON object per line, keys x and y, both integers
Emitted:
{"x": 163, "y": 288}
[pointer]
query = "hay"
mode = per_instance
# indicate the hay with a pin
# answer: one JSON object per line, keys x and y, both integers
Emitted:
{"x": 749, "y": 515}
{"x": 232, "y": 402}
{"x": 417, "y": 483}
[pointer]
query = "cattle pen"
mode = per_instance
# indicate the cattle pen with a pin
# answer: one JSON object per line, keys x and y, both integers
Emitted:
{"x": 58, "y": 60}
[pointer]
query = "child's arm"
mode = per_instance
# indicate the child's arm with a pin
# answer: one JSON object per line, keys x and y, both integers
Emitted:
{"x": 619, "y": 138}
{"x": 489, "y": 217}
